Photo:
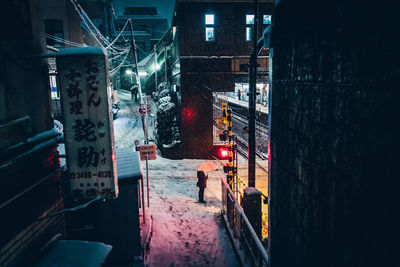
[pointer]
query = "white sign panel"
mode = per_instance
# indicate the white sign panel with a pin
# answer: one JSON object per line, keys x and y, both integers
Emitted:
{"x": 88, "y": 129}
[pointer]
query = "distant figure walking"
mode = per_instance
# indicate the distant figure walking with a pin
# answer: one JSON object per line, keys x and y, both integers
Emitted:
{"x": 134, "y": 92}
{"x": 202, "y": 184}
{"x": 239, "y": 94}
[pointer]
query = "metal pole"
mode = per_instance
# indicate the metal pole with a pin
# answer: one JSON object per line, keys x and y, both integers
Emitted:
{"x": 237, "y": 169}
{"x": 143, "y": 115}
{"x": 230, "y": 148}
{"x": 155, "y": 66}
{"x": 252, "y": 104}
{"x": 147, "y": 176}
{"x": 108, "y": 17}
{"x": 143, "y": 208}
{"x": 165, "y": 64}
{"x": 136, "y": 63}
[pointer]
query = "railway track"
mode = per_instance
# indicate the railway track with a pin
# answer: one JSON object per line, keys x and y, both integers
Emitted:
{"x": 238, "y": 122}
{"x": 259, "y": 126}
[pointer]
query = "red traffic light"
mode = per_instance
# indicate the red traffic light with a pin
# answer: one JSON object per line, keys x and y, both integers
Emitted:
{"x": 223, "y": 153}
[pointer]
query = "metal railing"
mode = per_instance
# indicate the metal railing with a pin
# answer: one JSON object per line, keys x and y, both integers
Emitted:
{"x": 254, "y": 252}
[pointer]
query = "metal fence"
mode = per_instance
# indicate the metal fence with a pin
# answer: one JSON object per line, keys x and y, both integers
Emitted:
{"x": 254, "y": 252}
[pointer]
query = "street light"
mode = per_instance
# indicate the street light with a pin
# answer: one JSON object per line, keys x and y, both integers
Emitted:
{"x": 130, "y": 72}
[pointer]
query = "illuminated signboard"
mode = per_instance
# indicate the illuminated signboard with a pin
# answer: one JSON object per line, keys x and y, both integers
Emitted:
{"x": 88, "y": 129}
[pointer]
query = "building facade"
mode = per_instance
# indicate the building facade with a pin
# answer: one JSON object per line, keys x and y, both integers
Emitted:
{"x": 333, "y": 186}
{"x": 209, "y": 51}
{"x": 30, "y": 180}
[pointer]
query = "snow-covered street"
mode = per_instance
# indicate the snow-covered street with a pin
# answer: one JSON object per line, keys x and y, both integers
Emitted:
{"x": 184, "y": 232}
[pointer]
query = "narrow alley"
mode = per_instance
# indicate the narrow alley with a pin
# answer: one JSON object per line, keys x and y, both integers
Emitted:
{"x": 183, "y": 232}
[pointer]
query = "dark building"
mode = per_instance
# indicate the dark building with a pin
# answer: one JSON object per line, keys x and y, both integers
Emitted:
{"x": 148, "y": 27}
{"x": 61, "y": 22}
{"x": 211, "y": 43}
{"x": 30, "y": 184}
{"x": 333, "y": 186}
{"x": 62, "y": 29}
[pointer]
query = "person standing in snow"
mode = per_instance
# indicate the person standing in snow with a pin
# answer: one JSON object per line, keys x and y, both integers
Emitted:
{"x": 202, "y": 184}
{"x": 134, "y": 92}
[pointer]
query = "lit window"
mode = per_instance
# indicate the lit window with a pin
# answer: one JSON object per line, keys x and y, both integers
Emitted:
{"x": 267, "y": 19}
{"x": 248, "y": 34}
{"x": 209, "y": 19}
{"x": 249, "y": 19}
{"x": 209, "y": 34}
{"x": 55, "y": 94}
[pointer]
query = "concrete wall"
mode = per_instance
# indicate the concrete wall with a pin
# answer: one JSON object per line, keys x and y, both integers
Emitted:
{"x": 332, "y": 181}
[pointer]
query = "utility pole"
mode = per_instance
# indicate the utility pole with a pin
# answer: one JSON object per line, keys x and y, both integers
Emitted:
{"x": 252, "y": 103}
{"x": 165, "y": 64}
{"x": 155, "y": 67}
{"x": 108, "y": 17}
{"x": 133, "y": 47}
{"x": 142, "y": 105}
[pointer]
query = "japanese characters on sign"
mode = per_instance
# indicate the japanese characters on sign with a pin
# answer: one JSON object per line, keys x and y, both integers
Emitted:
{"x": 148, "y": 151}
{"x": 88, "y": 129}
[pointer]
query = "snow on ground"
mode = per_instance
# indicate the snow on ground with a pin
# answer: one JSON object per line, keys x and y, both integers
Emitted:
{"x": 185, "y": 232}
{"x": 128, "y": 124}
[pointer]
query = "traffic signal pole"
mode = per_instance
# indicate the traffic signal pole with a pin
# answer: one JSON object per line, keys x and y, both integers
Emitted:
{"x": 142, "y": 105}
{"x": 230, "y": 148}
{"x": 252, "y": 104}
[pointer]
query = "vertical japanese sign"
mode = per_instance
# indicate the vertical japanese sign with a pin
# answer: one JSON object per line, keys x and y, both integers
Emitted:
{"x": 88, "y": 129}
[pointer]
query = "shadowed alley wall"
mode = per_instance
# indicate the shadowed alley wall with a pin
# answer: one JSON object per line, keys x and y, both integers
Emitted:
{"x": 332, "y": 184}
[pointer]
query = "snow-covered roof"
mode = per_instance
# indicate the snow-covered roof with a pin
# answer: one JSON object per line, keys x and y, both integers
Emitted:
{"x": 251, "y": 191}
{"x": 128, "y": 164}
{"x": 76, "y": 253}
{"x": 88, "y": 50}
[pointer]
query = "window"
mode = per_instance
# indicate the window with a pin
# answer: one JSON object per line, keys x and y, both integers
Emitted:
{"x": 54, "y": 27}
{"x": 209, "y": 19}
{"x": 249, "y": 19}
{"x": 209, "y": 34}
{"x": 267, "y": 19}
{"x": 248, "y": 34}
{"x": 55, "y": 93}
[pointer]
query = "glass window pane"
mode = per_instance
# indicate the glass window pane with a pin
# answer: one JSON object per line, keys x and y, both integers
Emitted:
{"x": 249, "y": 19}
{"x": 267, "y": 19}
{"x": 248, "y": 34}
{"x": 209, "y": 34}
{"x": 209, "y": 19}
